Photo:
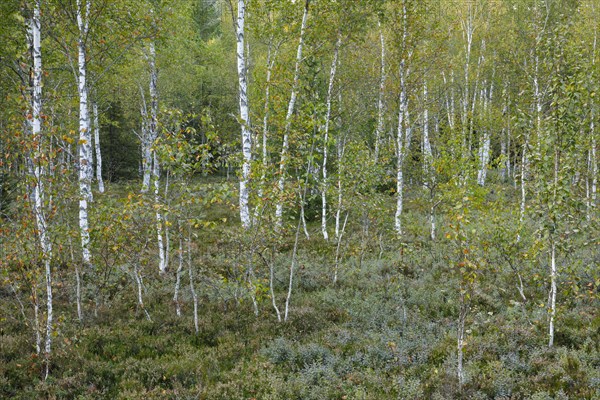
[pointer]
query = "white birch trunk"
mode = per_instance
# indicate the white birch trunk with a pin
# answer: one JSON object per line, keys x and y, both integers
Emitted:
{"x": 191, "y": 276}
{"x": 85, "y": 138}
{"x": 265, "y": 128}
{"x": 593, "y": 165}
{"x": 98, "y": 163}
{"x": 178, "y": 278}
{"x": 509, "y": 166}
{"x": 504, "y": 149}
{"x": 484, "y": 154}
{"x": 428, "y": 171}
{"x": 244, "y": 116}
{"x": 288, "y": 120}
{"x": 140, "y": 292}
{"x": 152, "y": 136}
{"x": 340, "y": 144}
{"x": 552, "y": 304}
{"x": 36, "y": 320}
{"x": 37, "y": 172}
{"x": 592, "y": 181}
{"x": 403, "y": 136}
{"x": 291, "y": 278}
{"x": 162, "y": 258}
{"x": 380, "y": 100}
{"x": 337, "y": 250}
{"x": 450, "y": 102}
{"x": 427, "y": 152}
{"x": 326, "y": 139}
{"x": 524, "y": 169}
{"x": 538, "y": 126}
{"x": 463, "y": 312}
{"x": 272, "y": 291}
{"x": 146, "y": 143}
{"x": 468, "y": 30}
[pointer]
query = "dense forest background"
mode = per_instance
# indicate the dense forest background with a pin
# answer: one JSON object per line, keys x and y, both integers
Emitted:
{"x": 299, "y": 199}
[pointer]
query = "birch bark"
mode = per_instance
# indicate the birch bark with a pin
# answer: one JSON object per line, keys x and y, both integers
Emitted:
{"x": 325, "y": 183}
{"x": 288, "y": 119}
{"x": 162, "y": 257}
{"x": 265, "y": 128}
{"x": 428, "y": 170}
{"x": 244, "y": 115}
{"x": 592, "y": 181}
{"x": 427, "y": 152}
{"x": 146, "y": 143}
{"x": 36, "y": 172}
{"x": 85, "y": 138}
{"x": 152, "y": 136}
{"x": 381, "y": 98}
{"x": 484, "y": 153}
{"x": 404, "y": 133}
{"x": 468, "y": 30}
{"x": 98, "y": 163}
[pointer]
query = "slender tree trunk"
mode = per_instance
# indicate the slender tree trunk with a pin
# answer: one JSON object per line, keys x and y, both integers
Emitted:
{"x": 504, "y": 148}
{"x": 85, "y": 138}
{"x": 244, "y": 115}
{"x": 462, "y": 318}
{"x": 593, "y": 166}
{"x": 340, "y": 188}
{"x": 380, "y": 100}
{"x": 265, "y": 130}
{"x": 36, "y": 172}
{"x": 427, "y": 152}
{"x": 450, "y": 100}
{"x": 191, "y": 276}
{"x": 538, "y": 126}
{"x": 292, "y": 271}
{"x": 146, "y": 142}
{"x": 592, "y": 181}
{"x": 524, "y": 170}
{"x": 162, "y": 258}
{"x": 98, "y": 152}
{"x": 402, "y": 146}
{"x": 486, "y": 141}
{"x": 77, "y": 282}
{"x": 326, "y": 139}
{"x": 403, "y": 137}
{"x": 178, "y": 277}
{"x": 152, "y": 136}
{"x": 468, "y": 29}
{"x": 272, "y": 290}
{"x": 552, "y": 293}
{"x": 140, "y": 291}
{"x": 288, "y": 120}
{"x": 36, "y": 319}
{"x": 553, "y": 270}
{"x": 337, "y": 250}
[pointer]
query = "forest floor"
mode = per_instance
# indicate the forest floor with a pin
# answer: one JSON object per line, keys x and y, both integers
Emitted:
{"x": 387, "y": 329}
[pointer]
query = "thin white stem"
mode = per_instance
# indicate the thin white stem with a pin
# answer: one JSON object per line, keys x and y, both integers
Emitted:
{"x": 288, "y": 120}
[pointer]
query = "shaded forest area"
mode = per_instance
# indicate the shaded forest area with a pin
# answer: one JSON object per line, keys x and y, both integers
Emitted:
{"x": 299, "y": 199}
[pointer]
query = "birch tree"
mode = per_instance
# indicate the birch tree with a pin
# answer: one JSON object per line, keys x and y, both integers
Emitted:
{"x": 85, "y": 137}
{"x": 288, "y": 119}
{"x": 325, "y": 183}
{"x": 381, "y": 95}
{"x": 404, "y": 132}
{"x": 539, "y": 26}
{"x": 163, "y": 248}
{"x": 484, "y": 149}
{"x": 244, "y": 114}
{"x": 35, "y": 162}
{"x": 98, "y": 152}
{"x": 428, "y": 168}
